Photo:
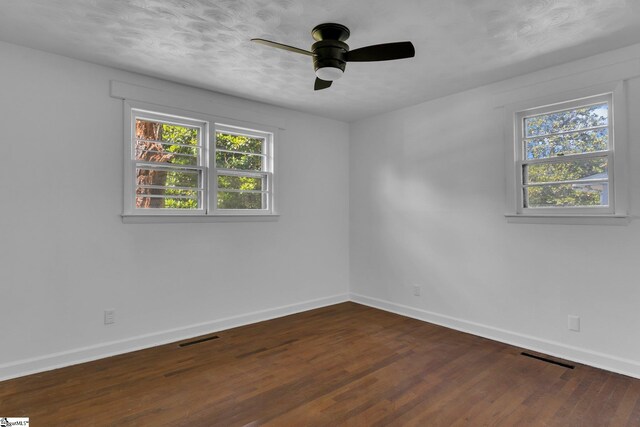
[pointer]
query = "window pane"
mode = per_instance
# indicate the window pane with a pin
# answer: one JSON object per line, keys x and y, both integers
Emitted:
{"x": 166, "y": 143}
{"x": 240, "y": 200}
{"x": 568, "y": 143}
{"x": 239, "y": 182}
{"x": 566, "y": 195}
{"x": 238, "y": 161}
{"x": 595, "y": 168}
{"x": 166, "y": 188}
{"x": 569, "y": 120}
{"x": 167, "y": 202}
{"x": 168, "y": 177}
{"x": 245, "y": 144}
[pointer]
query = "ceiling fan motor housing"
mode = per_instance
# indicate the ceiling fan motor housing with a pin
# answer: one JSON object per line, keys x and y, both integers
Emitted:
{"x": 329, "y": 53}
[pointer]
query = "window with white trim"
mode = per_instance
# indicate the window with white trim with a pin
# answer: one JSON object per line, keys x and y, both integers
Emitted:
{"x": 565, "y": 158}
{"x": 182, "y": 166}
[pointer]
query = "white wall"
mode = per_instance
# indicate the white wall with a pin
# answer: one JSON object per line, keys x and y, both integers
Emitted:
{"x": 427, "y": 205}
{"x": 65, "y": 254}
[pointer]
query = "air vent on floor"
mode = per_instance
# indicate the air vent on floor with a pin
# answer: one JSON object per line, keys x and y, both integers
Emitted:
{"x": 198, "y": 341}
{"x": 544, "y": 359}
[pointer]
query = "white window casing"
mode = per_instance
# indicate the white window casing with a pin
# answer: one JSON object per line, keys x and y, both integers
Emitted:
{"x": 201, "y": 199}
{"x": 612, "y": 185}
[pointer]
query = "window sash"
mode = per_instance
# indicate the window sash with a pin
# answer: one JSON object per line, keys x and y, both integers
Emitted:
{"x": 604, "y": 209}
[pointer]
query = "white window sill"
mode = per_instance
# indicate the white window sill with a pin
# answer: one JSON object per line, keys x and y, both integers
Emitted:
{"x": 569, "y": 219}
{"x": 165, "y": 219}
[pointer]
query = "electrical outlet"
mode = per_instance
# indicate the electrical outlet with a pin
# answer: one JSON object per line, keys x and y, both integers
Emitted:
{"x": 416, "y": 290}
{"x": 574, "y": 323}
{"x": 109, "y": 317}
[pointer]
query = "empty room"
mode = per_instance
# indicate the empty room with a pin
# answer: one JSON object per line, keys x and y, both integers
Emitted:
{"x": 336, "y": 213}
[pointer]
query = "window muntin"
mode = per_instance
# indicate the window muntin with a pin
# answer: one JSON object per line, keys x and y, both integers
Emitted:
{"x": 178, "y": 167}
{"x": 565, "y": 156}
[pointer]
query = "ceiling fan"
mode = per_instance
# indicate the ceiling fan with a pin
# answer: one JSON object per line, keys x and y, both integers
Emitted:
{"x": 330, "y": 53}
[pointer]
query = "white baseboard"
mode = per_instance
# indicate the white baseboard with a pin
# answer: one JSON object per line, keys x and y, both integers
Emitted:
{"x": 599, "y": 360}
{"x": 87, "y": 354}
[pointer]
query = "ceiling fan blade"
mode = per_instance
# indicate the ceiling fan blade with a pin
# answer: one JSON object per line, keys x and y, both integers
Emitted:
{"x": 282, "y": 46}
{"x": 382, "y": 52}
{"x": 321, "y": 84}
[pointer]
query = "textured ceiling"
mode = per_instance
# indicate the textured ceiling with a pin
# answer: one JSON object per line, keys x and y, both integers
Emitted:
{"x": 459, "y": 43}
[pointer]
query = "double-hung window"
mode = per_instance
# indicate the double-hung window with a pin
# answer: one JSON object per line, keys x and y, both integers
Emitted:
{"x": 168, "y": 163}
{"x": 243, "y": 169}
{"x": 564, "y": 158}
{"x": 180, "y": 165}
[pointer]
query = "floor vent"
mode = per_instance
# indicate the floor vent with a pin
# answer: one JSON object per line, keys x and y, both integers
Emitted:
{"x": 544, "y": 359}
{"x": 198, "y": 341}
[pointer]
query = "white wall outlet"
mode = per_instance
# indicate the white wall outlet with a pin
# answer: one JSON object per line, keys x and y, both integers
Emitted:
{"x": 109, "y": 317}
{"x": 574, "y": 323}
{"x": 416, "y": 290}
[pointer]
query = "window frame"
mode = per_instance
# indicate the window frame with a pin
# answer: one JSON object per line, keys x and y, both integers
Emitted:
{"x": 521, "y": 161}
{"x": 131, "y": 163}
{"x": 266, "y": 173}
{"x": 209, "y": 126}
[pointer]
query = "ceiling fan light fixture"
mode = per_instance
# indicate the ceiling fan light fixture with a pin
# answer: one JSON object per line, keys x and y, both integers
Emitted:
{"x": 331, "y": 54}
{"x": 329, "y": 73}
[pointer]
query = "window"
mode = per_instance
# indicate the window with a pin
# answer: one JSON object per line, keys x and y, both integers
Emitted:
{"x": 168, "y": 163}
{"x": 243, "y": 169}
{"x": 565, "y": 158}
{"x": 194, "y": 166}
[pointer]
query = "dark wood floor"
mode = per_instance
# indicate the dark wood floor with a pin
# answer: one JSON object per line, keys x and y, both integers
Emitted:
{"x": 341, "y": 365}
